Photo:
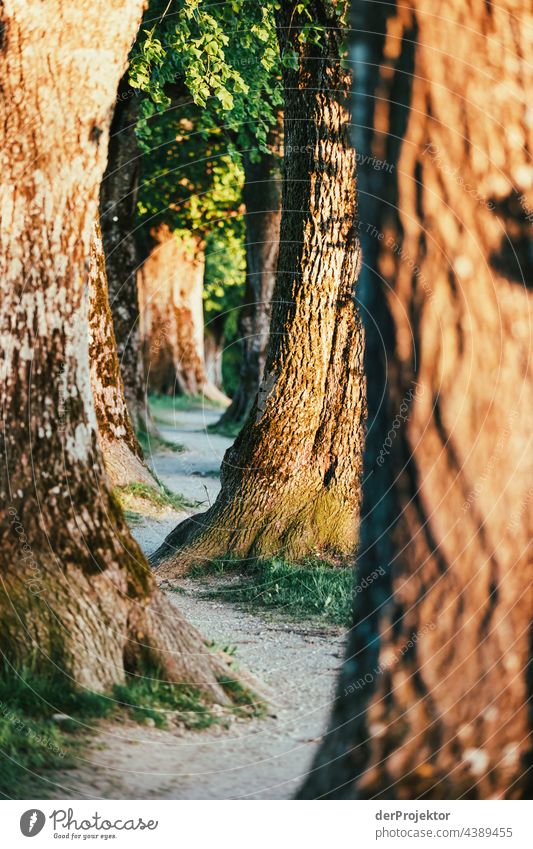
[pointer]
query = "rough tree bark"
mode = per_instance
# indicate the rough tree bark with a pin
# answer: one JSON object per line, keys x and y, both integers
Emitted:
{"x": 76, "y": 593}
{"x": 262, "y": 198}
{"x": 433, "y": 697}
{"x": 118, "y": 200}
{"x": 172, "y": 323}
{"x": 123, "y": 458}
{"x": 290, "y": 483}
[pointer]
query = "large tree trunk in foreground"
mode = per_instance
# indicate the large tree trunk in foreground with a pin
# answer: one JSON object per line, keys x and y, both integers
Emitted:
{"x": 171, "y": 289}
{"x": 262, "y": 197}
{"x": 118, "y": 201}
{"x": 76, "y": 594}
{"x": 433, "y": 697}
{"x": 123, "y": 458}
{"x": 290, "y": 483}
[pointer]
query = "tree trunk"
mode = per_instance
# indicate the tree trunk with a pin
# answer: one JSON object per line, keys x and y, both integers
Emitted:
{"x": 213, "y": 350}
{"x": 433, "y": 696}
{"x": 262, "y": 198}
{"x": 171, "y": 287}
{"x": 76, "y": 594}
{"x": 118, "y": 201}
{"x": 123, "y": 458}
{"x": 158, "y": 329}
{"x": 290, "y": 483}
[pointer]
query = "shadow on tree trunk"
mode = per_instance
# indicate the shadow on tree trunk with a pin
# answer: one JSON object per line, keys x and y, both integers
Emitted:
{"x": 433, "y": 698}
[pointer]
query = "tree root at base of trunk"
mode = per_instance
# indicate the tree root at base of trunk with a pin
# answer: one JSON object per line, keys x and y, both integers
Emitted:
{"x": 322, "y": 528}
{"x": 122, "y": 466}
{"x": 97, "y": 629}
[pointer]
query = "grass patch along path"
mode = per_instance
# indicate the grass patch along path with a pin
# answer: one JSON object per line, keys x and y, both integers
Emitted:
{"x": 45, "y": 723}
{"x": 151, "y": 498}
{"x": 313, "y": 590}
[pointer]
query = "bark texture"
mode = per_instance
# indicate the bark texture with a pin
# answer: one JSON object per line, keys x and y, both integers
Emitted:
{"x": 290, "y": 483}
{"x": 171, "y": 289}
{"x": 262, "y": 199}
{"x": 76, "y": 593}
{"x": 434, "y": 697}
{"x": 118, "y": 201}
{"x": 123, "y": 458}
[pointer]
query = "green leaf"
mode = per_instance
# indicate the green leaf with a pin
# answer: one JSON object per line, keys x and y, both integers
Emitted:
{"x": 290, "y": 59}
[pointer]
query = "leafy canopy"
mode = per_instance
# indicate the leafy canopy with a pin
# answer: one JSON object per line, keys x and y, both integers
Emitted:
{"x": 224, "y": 54}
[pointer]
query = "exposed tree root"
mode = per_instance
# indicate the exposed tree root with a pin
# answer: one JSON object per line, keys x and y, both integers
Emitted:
{"x": 263, "y": 521}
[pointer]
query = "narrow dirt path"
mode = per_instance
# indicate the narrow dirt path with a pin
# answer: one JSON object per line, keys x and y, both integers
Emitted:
{"x": 259, "y": 758}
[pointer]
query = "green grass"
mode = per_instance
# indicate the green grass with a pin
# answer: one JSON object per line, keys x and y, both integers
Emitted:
{"x": 156, "y": 444}
{"x": 160, "y": 499}
{"x": 33, "y": 744}
{"x": 244, "y": 702}
{"x": 133, "y": 518}
{"x": 315, "y": 589}
{"x": 216, "y": 646}
{"x": 150, "y": 698}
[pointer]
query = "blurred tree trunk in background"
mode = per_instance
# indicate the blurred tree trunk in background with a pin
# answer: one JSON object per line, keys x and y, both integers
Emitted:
{"x": 157, "y": 322}
{"x": 290, "y": 483}
{"x": 76, "y": 594}
{"x": 262, "y": 198}
{"x": 433, "y": 696}
{"x": 118, "y": 201}
{"x": 171, "y": 291}
{"x": 213, "y": 350}
{"x": 123, "y": 458}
